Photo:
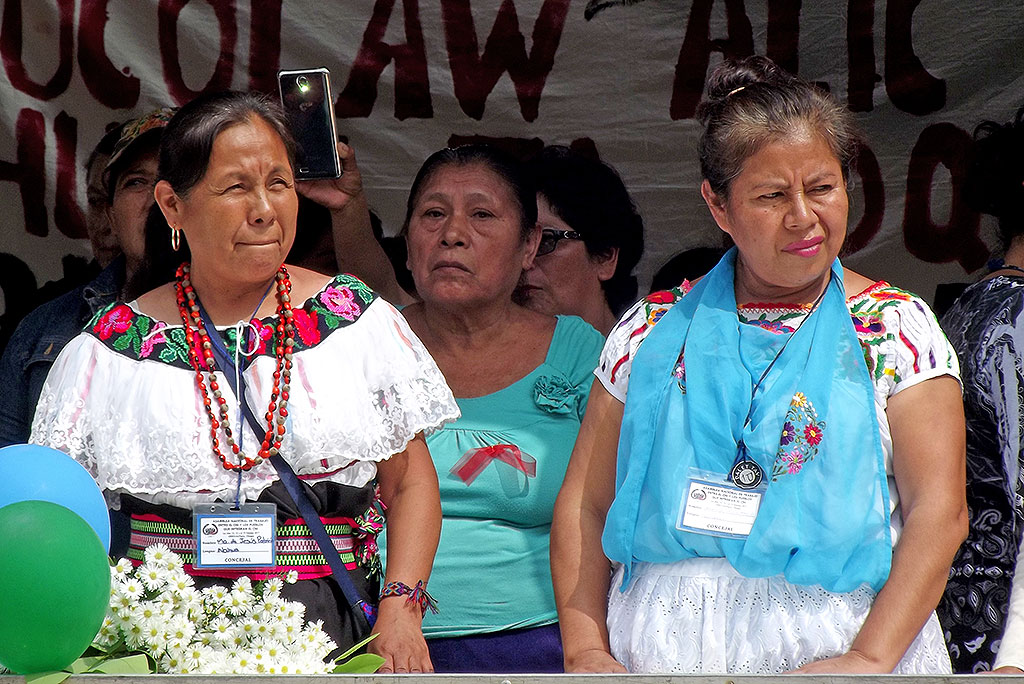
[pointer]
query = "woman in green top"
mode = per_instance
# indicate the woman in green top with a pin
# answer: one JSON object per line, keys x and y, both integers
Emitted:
{"x": 521, "y": 379}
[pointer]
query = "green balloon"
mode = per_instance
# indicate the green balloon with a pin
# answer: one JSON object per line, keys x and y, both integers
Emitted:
{"x": 54, "y": 584}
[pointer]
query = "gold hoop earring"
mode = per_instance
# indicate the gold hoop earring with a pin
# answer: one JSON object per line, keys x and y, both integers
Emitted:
{"x": 175, "y": 239}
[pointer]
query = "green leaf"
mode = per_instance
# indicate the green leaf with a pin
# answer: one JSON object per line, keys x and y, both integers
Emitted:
{"x": 46, "y": 677}
{"x": 133, "y": 664}
{"x": 122, "y": 342}
{"x": 355, "y": 648}
{"x": 367, "y": 663}
{"x": 84, "y": 664}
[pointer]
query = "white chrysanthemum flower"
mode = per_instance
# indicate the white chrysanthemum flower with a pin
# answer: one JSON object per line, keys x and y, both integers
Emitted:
{"x": 146, "y": 611}
{"x": 272, "y": 587}
{"x": 196, "y": 657}
{"x": 243, "y": 583}
{"x": 244, "y": 664}
{"x": 220, "y": 628}
{"x": 178, "y": 580}
{"x": 291, "y": 577}
{"x": 215, "y": 595}
{"x": 134, "y": 634}
{"x": 169, "y": 662}
{"x": 121, "y": 568}
{"x": 132, "y": 589}
{"x": 109, "y": 633}
{"x": 155, "y": 635}
{"x": 180, "y": 629}
{"x": 264, "y": 609}
{"x": 157, "y": 554}
{"x": 238, "y": 602}
{"x": 173, "y": 563}
{"x": 264, "y": 630}
{"x": 153, "y": 576}
{"x": 249, "y": 627}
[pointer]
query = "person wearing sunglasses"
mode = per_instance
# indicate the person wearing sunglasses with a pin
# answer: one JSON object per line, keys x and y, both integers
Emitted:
{"x": 591, "y": 240}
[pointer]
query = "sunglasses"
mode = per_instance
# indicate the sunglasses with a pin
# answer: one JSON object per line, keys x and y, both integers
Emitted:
{"x": 549, "y": 238}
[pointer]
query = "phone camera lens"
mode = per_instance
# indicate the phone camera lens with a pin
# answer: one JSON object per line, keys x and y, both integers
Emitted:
{"x": 303, "y": 83}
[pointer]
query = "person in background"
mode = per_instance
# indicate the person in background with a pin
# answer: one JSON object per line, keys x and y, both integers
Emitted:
{"x": 592, "y": 237}
{"x": 105, "y": 247}
{"x": 345, "y": 387}
{"x": 982, "y": 618}
{"x": 772, "y": 456}
{"x": 690, "y": 264}
{"x": 520, "y": 378}
{"x": 117, "y": 209}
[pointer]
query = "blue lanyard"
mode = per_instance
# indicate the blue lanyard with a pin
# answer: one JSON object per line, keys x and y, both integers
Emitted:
{"x": 359, "y": 605}
{"x": 232, "y": 371}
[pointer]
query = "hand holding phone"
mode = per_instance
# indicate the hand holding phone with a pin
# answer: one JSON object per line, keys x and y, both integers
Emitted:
{"x": 307, "y": 100}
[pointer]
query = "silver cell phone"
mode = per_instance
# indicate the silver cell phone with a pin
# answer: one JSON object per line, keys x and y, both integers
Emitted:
{"x": 306, "y": 98}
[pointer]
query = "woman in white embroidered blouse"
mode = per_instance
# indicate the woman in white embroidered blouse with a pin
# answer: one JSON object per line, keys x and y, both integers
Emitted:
{"x": 341, "y": 387}
{"x": 788, "y": 438}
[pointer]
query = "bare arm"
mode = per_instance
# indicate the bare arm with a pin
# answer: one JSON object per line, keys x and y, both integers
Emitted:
{"x": 408, "y": 487}
{"x": 579, "y": 569}
{"x": 356, "y": 249}
{"x": 928, "y": 434}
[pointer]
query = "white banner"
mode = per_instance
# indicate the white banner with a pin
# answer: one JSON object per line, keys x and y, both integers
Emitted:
{"x": 620, "y": 76}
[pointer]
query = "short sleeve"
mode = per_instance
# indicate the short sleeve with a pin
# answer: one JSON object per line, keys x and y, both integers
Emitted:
{"x": 625, "y": 338}
{"x": 918, "y": 349}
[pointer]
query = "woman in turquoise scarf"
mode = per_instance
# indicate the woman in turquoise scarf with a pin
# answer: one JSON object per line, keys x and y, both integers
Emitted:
{"x": 787, "y": 441}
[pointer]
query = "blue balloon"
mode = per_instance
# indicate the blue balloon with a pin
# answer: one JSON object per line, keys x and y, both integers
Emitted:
{"x": 29, "y": 472}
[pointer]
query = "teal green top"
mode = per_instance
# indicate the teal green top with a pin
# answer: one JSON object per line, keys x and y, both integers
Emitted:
{"x": 492, "y": 571}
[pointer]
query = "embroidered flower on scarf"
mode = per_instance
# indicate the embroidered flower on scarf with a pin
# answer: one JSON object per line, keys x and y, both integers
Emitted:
{"x": 788, "y": 433}
{"x": 553, "y": 394}
{"x": 813, "y": 434}
{"x": 307, "y": 326}
{"x": 341, "y": 301}
{"x": 117, "y": 320}
{"x": 793, "y": 461}
{"x": 679, "y": 373}
{"x": 801, "y": 434}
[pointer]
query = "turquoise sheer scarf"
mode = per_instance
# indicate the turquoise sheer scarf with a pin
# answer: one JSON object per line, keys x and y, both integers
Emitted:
{"x": 813, "y": 430}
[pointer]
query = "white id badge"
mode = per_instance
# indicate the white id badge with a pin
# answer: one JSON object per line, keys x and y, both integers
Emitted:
{"x": 712, "y": 505}
{"x": 230, "y": 537}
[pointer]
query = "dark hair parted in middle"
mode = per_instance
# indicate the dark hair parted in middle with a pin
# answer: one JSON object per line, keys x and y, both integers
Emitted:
{"x": 505, "y": 166}
{"x": 995, "y": 175}
{"x": 591, "y": 198}
{"x": 752, "y": 102}
{"x": 188, "y": 139}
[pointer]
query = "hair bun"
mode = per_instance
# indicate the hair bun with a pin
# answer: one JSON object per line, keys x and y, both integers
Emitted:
{"x": 733, "y": 74}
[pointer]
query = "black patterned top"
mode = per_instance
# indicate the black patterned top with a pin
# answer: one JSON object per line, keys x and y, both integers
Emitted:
{"x": 986, "y": 326}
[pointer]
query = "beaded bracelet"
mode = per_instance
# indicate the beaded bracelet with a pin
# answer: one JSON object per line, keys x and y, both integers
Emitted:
{"x": 417, "y": 594}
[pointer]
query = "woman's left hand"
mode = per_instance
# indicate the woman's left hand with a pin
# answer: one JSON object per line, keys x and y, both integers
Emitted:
{"x": 851, "y": 662}
{"x": 336, "y": 193}
{"x": 400, "y": 638}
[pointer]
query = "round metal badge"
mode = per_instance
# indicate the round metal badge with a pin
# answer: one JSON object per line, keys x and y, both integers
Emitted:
{"x": 746, "y": 474}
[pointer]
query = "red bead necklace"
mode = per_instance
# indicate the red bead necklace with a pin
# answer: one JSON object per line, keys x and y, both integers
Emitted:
{"x": 188, "y": 307}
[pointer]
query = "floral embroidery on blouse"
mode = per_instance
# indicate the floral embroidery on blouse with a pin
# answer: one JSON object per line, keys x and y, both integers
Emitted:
{"x": 801, "y": 435}
{"x": 137, "y": 335}
{"x": 554, "y": 394}
{"x": 655, "y": 305}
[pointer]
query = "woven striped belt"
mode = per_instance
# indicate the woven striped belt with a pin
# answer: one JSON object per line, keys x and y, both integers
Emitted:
{"x": 354, "y": 539}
